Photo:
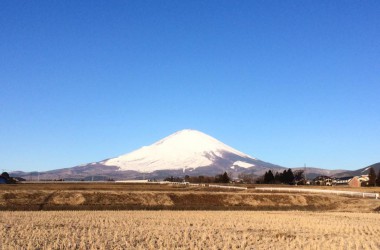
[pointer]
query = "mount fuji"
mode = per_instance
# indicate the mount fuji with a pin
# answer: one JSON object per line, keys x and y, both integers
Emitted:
{"x": 186, "y": 152}
{"x": 190, "y": 152}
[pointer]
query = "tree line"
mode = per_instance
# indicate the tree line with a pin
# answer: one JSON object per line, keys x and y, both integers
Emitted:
{"x": 285, "y": 177}
{"x": 298, "y": 177}
{"x": 221, "y": 178}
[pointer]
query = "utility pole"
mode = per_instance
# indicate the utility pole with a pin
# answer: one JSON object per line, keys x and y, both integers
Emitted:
{"x": 304, "y": 165}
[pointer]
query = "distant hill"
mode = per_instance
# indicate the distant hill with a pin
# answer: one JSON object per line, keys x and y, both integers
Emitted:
{"x": 361, "y": 171}
{"x": 311, "y": 173}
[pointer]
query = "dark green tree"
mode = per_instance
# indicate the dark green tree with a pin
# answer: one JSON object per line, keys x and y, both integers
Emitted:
{"x": 269, "y": 177}
{"x": 225, "y": 178}
{"x": 378, "y": 179}
{"x": 290, "y": 176}
{"x": 283, "y": 176}
{"x": 277, "y": 178}
{"x": 5, "y": 175}
{"x": 287, "y": 177}
{"x": 265, "y": 178}
{"x": 371, "y": 177}
{"x": 222, "y": 178}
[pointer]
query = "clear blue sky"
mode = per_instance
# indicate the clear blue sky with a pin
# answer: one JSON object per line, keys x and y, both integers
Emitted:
{"x": 288, "y": 82}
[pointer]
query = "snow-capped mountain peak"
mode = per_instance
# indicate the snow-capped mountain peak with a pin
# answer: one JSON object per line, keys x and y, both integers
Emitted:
{"x": 186, "y": 152}
{"x": 185, "y": 149}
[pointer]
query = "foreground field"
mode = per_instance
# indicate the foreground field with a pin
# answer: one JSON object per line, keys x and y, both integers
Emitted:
{"x": 188, "y": 230}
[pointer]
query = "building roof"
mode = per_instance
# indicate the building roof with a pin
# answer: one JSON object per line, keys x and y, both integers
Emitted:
{"x": 344, "y": 178}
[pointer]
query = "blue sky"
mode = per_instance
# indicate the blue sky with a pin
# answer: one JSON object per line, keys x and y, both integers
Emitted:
{"x": 288, "y": 82}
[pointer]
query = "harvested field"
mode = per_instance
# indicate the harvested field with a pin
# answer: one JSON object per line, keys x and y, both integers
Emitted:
{"x": 69, "y": 196}
{"x": 112, "y": 186}
{"x": 188, "y": 230}
{"x": 329, "y": 226}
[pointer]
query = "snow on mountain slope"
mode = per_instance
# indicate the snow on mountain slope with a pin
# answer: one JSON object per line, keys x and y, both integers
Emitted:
{"x": 186, "y": 149}
{"x": 243, "y": 164}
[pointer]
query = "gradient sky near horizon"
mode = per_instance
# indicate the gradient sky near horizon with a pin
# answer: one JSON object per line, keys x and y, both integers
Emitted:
{"x": 289, "y": 82}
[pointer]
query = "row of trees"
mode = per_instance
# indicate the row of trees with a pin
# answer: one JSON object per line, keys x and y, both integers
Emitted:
{"x": 285, "y": 177}
{"x": 298, "y": 177}
{"x": 221, "y": 178}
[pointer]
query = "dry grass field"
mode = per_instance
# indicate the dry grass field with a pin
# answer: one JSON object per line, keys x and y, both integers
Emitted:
{"x": 188, "y": 230}
{"x": 111, "y": 196}
{"x": 111, "y": 186}
{"x": 259, "y": 220}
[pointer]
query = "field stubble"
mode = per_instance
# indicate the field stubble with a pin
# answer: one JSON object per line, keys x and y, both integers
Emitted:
{"x": 69, "y": 196}
{"x": 189, "y": 230}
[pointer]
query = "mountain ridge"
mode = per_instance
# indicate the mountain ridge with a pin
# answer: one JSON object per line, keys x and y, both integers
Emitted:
{"x": 360, "y": 171}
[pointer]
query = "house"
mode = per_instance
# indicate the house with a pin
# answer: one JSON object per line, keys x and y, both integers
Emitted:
{"x": 359, "y": 181}
{"x": 323, "y": 180}
{"x": 342, "y": 180}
